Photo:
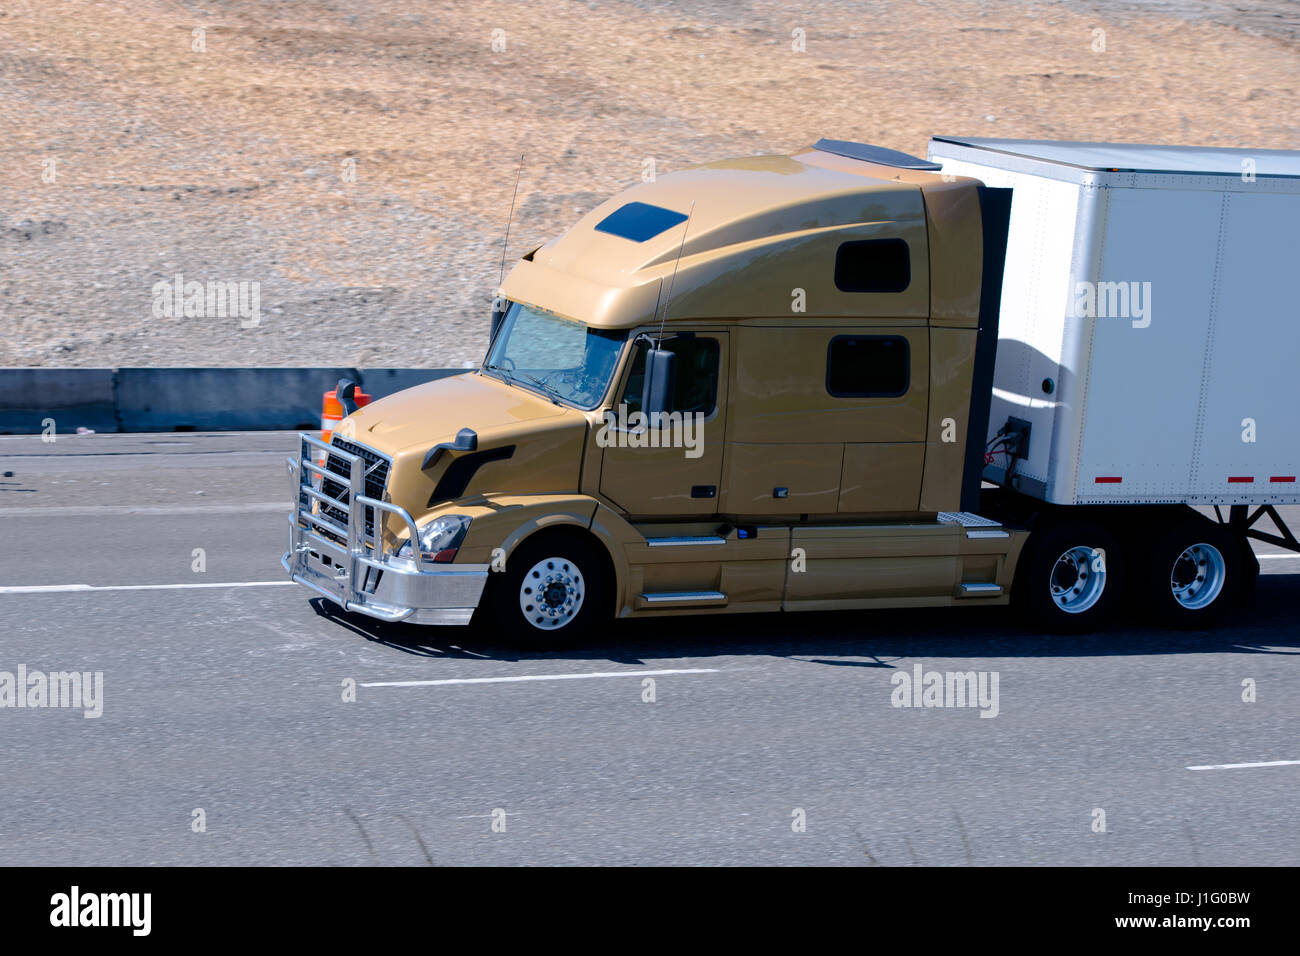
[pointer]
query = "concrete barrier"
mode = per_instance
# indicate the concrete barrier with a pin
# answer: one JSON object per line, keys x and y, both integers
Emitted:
{"x": 185, "y": 399}
{"x": 72, "y": 397}
{"x": 223, "y": 399}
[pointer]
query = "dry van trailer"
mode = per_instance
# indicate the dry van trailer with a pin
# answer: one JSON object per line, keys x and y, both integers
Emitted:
{"x": 1147, "y": 330}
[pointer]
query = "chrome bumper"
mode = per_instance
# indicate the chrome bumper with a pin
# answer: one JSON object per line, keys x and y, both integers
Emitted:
{"x": 355, "y": 571}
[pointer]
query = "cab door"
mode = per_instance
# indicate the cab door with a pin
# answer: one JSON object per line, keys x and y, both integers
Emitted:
{"x": 675, "y": 469}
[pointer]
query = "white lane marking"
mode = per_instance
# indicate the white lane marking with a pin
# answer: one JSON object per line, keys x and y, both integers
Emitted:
{"x": 524, "y": 677}
{"x": 1238, "y": 766}
{"x": 62, "y": 588}
{"x": 94, "y": 511}
{"x": 1278, "y": 557}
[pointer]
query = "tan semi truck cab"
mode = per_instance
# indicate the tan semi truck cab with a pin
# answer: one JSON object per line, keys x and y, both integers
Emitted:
{"x": 758, "y": 384}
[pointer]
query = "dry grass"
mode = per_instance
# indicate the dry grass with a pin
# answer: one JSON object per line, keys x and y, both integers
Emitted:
{"x": 226, "y": 164}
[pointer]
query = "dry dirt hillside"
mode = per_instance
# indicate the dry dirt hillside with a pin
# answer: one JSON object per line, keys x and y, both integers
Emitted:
{"x": 216, "y": 139}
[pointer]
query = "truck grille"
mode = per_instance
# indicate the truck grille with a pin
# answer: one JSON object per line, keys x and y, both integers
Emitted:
{"x": 376, "y": 478}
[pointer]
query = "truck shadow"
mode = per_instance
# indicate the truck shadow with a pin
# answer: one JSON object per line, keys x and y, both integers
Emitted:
{"x": 832, "y": 638}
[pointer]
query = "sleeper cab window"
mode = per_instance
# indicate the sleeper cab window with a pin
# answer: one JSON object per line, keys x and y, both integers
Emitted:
{"x": 867, "y": 366}
{"x": 873, "y": 265}
{"x": 695, "y": 388}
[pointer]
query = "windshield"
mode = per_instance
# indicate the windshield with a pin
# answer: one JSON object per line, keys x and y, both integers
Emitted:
{"x": 558, "y": 357}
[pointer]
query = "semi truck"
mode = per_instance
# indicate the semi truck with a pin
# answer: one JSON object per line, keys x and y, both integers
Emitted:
{"x": 1014, "y": 372}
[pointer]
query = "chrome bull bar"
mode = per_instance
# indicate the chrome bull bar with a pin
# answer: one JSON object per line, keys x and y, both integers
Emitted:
{"x": 352, "y": 566}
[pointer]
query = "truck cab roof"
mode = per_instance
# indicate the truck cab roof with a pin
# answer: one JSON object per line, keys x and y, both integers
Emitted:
{"x": 751, "y": 230}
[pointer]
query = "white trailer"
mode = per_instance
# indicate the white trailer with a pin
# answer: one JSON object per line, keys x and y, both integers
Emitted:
{"x": 1149, "y": 330}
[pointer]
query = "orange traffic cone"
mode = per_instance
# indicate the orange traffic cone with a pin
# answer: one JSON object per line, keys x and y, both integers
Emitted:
{"x": 332, "y": 413}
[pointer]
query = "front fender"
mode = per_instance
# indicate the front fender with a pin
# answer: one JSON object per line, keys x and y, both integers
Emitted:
{"x": 502, "y": 522}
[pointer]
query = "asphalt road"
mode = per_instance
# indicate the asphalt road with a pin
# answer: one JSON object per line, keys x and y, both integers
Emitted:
{"x": 229, "y": 699}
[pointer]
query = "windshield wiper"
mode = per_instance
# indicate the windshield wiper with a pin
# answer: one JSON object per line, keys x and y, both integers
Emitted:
{"x": 497, "y": 368}
{"x": 550, "y": 390}
{"x": 545, "y": 386}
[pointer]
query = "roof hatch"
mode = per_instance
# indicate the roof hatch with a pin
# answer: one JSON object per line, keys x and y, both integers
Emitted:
{"x": 639, "y": 221}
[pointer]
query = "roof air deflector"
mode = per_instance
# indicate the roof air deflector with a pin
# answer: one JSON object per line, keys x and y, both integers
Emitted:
{"x": 874, "y": 154}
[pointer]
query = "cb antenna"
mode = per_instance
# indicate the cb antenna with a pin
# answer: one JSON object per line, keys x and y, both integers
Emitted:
{"x": 663, "y": 318}
{"x": 510, "y": 219}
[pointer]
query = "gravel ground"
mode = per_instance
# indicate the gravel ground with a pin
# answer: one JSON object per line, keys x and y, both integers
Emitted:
{"x": 229, "y": 164}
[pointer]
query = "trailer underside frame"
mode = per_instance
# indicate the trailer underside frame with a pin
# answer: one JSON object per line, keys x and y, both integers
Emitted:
{"x": 1242, "y": 520}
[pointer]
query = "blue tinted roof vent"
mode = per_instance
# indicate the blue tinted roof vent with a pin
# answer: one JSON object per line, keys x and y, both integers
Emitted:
{"x": 639, "y": 221}
{"x": 874, "y": 154}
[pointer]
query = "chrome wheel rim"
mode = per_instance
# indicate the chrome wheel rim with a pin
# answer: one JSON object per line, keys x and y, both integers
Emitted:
{"x": 1197, "y": 576}
{"x": 551, "y": 593}
{"x": 1078, "y": 579}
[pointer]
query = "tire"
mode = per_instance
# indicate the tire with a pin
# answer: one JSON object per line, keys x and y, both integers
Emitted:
{"x": 1192, "y": 573}
{"x": 554, "y": 593}
{"x": 1071, "y": 577}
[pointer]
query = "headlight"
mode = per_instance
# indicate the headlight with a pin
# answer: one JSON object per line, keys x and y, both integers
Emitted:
{"x": 440, "y": 538}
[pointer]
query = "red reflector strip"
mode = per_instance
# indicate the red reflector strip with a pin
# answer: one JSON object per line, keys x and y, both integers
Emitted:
{"x": 1109, "y": 480}
{"x": 1240, "y": 479}
{"x": 1282, "y": 478}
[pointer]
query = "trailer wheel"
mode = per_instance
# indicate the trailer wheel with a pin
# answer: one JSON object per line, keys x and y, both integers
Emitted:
{"x": 1071, "y": 577}
{"x": 1192, "y": 573}
{"x": 553, "y": 593}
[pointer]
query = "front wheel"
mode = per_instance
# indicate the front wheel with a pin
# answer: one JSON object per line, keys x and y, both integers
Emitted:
{"x": 553, "y": 593}
{"x": 1192, "y": 573}
{"x": 1071, "y": 577}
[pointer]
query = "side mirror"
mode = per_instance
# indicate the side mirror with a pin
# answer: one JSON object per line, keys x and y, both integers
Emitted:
{"x": 466, "y": 440}
{"x": 345, "y": 391}
{"x": 660, "y": 375}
